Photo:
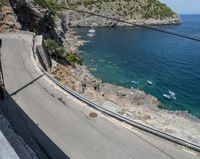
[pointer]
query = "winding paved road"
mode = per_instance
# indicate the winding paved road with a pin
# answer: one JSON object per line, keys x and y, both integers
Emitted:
{"x": 64, "y": 120}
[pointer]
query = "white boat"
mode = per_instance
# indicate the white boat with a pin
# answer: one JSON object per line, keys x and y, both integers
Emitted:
{"x": 149, "y": 82}
{"x": 91, "y": 31}
{"x": 173, "y": 96}
{"x": 90, "y": 34}
{"x": 135, "y": 82}
{"x": 167, "y": 96}
{"x": 172, "y": 93}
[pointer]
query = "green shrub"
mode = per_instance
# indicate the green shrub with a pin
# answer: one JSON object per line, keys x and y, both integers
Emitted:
{"x": 52, "y": 5}
{"x": 61, "y": 51}
{"x": 73, "y": 58}
{"x": 3, "y": 3}
{"x": 79, "y": 61}
{"x": 51, "y": 45}
{"x": 54, "y": 49}
{"x": 88, "y": 2}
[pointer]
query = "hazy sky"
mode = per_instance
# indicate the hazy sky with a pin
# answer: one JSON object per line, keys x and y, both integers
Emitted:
{"x": 184, "y": 6}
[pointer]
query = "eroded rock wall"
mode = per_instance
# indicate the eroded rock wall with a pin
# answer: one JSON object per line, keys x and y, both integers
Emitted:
{"x": 39, "y": 20}
{"x": 8, "y": 19}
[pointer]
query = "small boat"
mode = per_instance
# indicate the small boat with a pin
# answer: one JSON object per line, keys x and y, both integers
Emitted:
{"x": 173, "y": 96}
{"x": 167, "y": 96}
{"x": 91, "y": 31}
{"x": 90, "y": 34}
{"x": 149, "y": 82}
{"x": 172, "y": 93}
{"x": 135, "y": 82}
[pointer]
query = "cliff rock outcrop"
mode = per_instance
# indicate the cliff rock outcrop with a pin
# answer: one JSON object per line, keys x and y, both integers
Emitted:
{"x": 34, "y": 18}
{"x": 8, "y": 18}
{"x": 140, "y": 12}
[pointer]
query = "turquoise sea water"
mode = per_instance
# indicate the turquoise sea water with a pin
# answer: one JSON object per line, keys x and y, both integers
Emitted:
{"x": 124, "y": 54}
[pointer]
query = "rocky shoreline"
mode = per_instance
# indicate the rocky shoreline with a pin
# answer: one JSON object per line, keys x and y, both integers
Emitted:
{"x": 132, "y": 103}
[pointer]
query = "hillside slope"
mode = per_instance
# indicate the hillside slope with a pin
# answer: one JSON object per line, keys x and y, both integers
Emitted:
{"x": 136, "y": 11}
{"x": 8, "y": 21}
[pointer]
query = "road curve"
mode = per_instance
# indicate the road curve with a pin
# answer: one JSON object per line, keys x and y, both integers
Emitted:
{"x": 64, "y": 119}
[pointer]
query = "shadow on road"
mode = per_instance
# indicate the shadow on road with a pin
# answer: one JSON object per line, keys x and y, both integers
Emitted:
{"x": 26, "y": 85}
{"x": 28, "y": 130}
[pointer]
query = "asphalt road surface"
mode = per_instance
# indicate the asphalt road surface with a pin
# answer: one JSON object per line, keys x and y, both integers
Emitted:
{"x": 65, "y": 121}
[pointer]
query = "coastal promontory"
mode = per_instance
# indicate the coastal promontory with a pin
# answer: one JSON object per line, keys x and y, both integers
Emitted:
{"x": 148, "y": 12}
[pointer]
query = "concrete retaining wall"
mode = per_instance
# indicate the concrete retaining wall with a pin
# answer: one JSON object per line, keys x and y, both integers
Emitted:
{"x": 43, "y": 56}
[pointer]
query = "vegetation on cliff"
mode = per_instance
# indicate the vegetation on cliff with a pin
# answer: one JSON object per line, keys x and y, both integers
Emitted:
{"x": 59, "y": 52}
{"x": 52, "y": 5}
{"x": 128, "y": 9}
{"x": 3, "y": 3}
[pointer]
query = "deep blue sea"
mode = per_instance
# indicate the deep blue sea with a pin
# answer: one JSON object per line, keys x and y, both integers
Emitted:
{"x": 125, "y": 54}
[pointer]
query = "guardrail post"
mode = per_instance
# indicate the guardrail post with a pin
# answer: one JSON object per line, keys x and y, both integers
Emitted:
{"x": 1, "y": 76}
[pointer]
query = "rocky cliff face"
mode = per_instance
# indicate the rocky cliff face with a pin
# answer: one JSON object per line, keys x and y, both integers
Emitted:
{"x": 150, "y": 12}
{"x": 8, "y": 18}
{"x": 39, "y": 20}
{"x": 32, "y": 17}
